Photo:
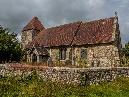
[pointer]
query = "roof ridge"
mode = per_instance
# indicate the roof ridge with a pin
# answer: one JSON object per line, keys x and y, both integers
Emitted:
{"x": 100, "y": 19}
{"x": 64, "y": 24}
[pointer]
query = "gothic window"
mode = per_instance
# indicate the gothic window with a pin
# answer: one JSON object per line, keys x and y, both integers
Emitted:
{"x": 34, "y": 58}
{"x": 83, "y": 53}
{"x": 62, "y": 53}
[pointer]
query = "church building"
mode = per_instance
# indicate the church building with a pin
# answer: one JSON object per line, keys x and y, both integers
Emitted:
{"x": 90, "y": 44}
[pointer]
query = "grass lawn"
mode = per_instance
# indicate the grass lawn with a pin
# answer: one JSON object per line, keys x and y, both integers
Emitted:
{"x": 33, "y": 86}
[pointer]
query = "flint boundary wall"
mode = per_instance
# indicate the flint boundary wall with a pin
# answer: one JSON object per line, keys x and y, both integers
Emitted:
{"x": 68, "y": 75}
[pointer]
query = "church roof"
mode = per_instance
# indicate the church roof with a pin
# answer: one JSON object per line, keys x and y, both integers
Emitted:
{"x": 34, "y": 24}
{"x": 78, "y": 33}
{"x": 95, "y": 32}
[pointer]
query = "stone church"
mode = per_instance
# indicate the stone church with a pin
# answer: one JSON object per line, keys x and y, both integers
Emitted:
{"x": 93, "y": 44}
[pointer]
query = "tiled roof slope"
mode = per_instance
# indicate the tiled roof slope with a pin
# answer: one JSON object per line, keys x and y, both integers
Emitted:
{"x": 95, "y": 32}
{"x": 55, "y": 36}
{"x": 78, "y": 33}
{"x": 34, "y": 24}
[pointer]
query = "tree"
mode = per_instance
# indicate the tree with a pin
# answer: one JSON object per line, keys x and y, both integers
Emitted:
{"x": 10, "y": 49}
{"x": 125, "y": 52}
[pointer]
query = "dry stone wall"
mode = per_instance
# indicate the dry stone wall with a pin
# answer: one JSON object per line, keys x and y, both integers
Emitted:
{"x": 69, "y": 75}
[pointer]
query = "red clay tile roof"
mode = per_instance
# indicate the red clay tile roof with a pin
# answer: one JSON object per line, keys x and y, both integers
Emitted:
{"x": 34, "y": 24}
{"x": 55, "y": 36}
{"x": 95, "y": 32}
{"x": 78, "y": 33}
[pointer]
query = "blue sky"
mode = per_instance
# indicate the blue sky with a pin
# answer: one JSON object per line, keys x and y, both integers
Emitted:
{"x": 15, "y": 14}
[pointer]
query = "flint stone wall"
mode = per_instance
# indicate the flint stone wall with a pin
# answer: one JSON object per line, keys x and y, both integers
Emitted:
{"x": 106, "y": 55}
{"x": 26, "y": 37}
{"x": 69, "y": 75}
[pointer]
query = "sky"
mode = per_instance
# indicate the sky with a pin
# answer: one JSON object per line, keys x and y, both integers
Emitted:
{"x": 15, "y": 14}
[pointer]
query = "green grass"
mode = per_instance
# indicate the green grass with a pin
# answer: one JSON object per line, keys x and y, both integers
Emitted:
{"x": 33, "y": 86}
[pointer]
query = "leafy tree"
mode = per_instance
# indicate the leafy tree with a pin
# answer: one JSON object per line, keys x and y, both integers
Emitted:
{"x": 125, "y": 52}
{"x": 10, "y": 49}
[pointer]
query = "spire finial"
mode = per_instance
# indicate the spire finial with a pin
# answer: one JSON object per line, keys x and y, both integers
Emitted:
{"x": 116, "y": 13}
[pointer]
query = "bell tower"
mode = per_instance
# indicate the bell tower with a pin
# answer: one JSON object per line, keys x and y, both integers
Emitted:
{"x": 30, "y": 31}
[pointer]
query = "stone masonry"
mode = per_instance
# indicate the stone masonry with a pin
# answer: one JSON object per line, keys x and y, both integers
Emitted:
{"x": 68, "y": 75}
{"x": 97, "y": 56}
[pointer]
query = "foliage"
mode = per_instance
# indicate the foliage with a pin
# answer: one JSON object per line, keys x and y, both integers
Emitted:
{"x": 68, "y": 62}
{"x": 33, "y": 86}
{"x": 82, "y": 62}
{"x": 84, "y": 78}
{"x": 125, "y": 53}
{"x": 126, "y": 50}
{"x": 10, "y": 49}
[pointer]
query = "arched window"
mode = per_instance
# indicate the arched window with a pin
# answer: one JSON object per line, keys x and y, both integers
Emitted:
{"x": 34, "y": 58}
{"x": 62, "y": 53}
{"x": 83, "y": 54}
